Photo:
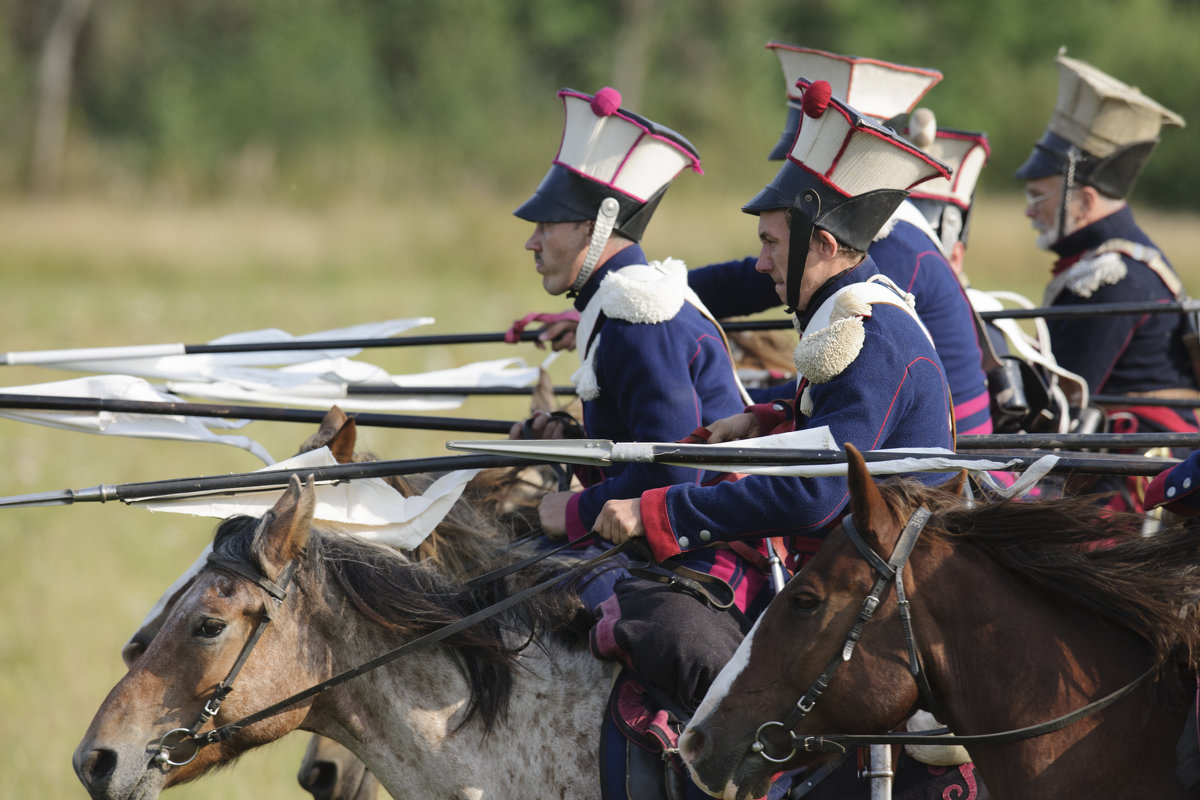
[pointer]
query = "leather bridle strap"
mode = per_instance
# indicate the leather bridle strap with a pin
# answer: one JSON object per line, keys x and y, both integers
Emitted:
{"x": 183, "y": 739}
{"x": 837, "y": 743}
{"x": 886, "y": 572}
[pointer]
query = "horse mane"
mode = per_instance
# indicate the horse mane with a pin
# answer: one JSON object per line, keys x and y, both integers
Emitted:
{"x": 413, "y": 598}
{"x": 1075, "y": 550}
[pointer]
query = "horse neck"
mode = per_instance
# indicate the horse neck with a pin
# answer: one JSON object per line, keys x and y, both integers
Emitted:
{"x": 402, "y": 718}
{"x": 1000, "y": 656}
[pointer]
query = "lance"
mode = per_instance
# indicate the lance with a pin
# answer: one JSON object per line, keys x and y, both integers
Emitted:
{"x": 594, "y": 452}
{"x": 1077, "y": 441}
{"x": 1047, "y": 441}
{"x": 794, "y": 461}
{"x": 266, "y": 413}
{"x": 42, "y": 357}
{"x": 45, "y": 357}
{"x": 236, "y": 483}
{"x": 489, "y": 391}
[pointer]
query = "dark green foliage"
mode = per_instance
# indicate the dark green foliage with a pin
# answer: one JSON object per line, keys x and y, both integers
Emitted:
{"x": 319, "y": 93}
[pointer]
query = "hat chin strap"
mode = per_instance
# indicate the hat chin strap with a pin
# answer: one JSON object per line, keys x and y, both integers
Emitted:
{"x": 1068, "y": 187}
{"x": 606, "y": 219}
{"x": 800, "y": 231}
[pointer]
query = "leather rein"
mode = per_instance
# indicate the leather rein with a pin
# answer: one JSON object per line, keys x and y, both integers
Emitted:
{"x": 180, "y": 746}
{"x": 889, "y": 572}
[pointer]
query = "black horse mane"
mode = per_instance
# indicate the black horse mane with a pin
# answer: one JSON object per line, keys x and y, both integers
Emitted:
{"x": 413, "y": 598}
{"x": 1074, "y": 549}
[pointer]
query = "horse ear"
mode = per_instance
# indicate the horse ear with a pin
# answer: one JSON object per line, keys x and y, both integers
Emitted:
{"x": 342, "y": 445}
{"x": 543, "y": 393}
{"x": 285, "y": 534}
{"x": 338, "y": 432}
{"x": 956, "y": 484}
{"x": 870, "y": 510}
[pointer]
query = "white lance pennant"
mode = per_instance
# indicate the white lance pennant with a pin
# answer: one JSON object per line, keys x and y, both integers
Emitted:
{"x": 369, "y": 508}
{"x": 317, "y": 384}
{"x": 121, "y": 423}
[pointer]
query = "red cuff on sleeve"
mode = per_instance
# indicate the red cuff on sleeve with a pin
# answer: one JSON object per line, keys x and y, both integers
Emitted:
{"x": 658, "y": 525}
{"x": 770, "y": 415}
{"x": 575, "y": 526}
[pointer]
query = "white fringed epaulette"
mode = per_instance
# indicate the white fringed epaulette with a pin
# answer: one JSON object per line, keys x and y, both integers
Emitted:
{"x": 836, "y": 333}
{"x": 1085, "y": 277}
{"x": 642, "y": 293}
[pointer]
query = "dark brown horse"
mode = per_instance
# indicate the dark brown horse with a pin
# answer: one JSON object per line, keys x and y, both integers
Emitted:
{"x": 504, "y": 708}
{"x": 1021, "y": 612}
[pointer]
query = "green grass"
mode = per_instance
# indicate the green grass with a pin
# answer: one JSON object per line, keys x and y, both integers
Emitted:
{"x": 76, "y": 581}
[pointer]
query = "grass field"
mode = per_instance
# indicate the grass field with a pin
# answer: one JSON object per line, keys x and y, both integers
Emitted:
{"x": 76, "y": 581}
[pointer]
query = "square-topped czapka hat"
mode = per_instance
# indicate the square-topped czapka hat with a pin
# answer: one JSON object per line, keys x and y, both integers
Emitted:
{"x": 844, "y": 174}
{"x": 875, "y": 88}
{"x": 613, "y": 166}
{"x": 1102, "y": 130}
{"x": 946, "y": 202}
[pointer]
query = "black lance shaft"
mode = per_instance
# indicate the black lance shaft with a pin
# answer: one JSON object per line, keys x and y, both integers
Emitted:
{"x": 156, "y": 351}
{"x": 1076, "y": 441}
{"x": 236, "y": 483}
{"x": 267, "y": 413}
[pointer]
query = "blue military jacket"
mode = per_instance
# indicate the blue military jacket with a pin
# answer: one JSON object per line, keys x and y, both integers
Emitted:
{"x": 908, "y": 256}
{"x": 649, "y": 382}
{"x": 1107, "y": 262}
{"x": 892, "y": 393}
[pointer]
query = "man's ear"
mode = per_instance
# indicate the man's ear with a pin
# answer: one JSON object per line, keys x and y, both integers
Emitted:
{"x": 1088, "y": 198}
{"x": 825, "y": 244}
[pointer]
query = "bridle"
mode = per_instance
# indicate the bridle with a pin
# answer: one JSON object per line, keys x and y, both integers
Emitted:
{"x": 187, "y": 740}
{"x": 180, "y": 746}
{"x": 888, "y": 572}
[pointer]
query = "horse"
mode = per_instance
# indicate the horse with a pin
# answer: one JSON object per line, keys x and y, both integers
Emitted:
{"x": 505, "y": 708}
{"x": 499, "y": 506}
{"x": 1020, "y": 612}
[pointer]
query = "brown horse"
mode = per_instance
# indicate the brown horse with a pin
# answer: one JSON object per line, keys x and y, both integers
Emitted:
{"x": 1021, "y": 612}
{"x": 505, "y": 708}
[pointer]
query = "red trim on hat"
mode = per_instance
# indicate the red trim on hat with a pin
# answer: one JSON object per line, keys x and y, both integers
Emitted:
{"x": 870, "y": 129}
{"x": 931, "y": 73}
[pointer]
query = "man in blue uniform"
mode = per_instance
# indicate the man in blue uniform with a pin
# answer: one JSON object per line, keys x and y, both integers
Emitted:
{"x": 906, "y": 248}
{"x": 870, "y": 373}
{"x": 654, "y": 365}
{"x": 1076, "y": 180}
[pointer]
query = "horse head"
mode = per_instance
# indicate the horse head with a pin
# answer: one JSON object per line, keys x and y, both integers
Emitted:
{"x": 735, "y": 742}
{"x": 219, "y": 620}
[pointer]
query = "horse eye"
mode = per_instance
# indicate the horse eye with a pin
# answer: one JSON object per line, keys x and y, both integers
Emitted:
{"x": 804, "y": 602}
{"x": 210, "y": 628}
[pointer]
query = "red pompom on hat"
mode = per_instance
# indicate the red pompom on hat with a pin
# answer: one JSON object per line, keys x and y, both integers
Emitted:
{"x": 816, "y": 98}
{"x": 606, "y": 102}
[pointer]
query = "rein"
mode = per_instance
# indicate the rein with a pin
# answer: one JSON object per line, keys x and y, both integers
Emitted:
{"x": 189, "y": 741}
{"x": 888, "y": 572}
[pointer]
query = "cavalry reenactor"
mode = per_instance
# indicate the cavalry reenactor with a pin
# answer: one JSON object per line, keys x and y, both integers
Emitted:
{"x": 654, "y": 366}
{"x": 906, "y": 248}
{"x": 1077, "y": 179}
{"x": 869, "y": 372}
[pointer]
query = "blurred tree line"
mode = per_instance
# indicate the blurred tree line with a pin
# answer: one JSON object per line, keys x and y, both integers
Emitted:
{"x": 301, "y": 100}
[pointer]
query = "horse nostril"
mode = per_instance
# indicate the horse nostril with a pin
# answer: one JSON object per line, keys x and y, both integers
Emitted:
{"x": 692, "y": 744}
{"x": 320, "y": 780}
{"x": 97, "y": 768}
